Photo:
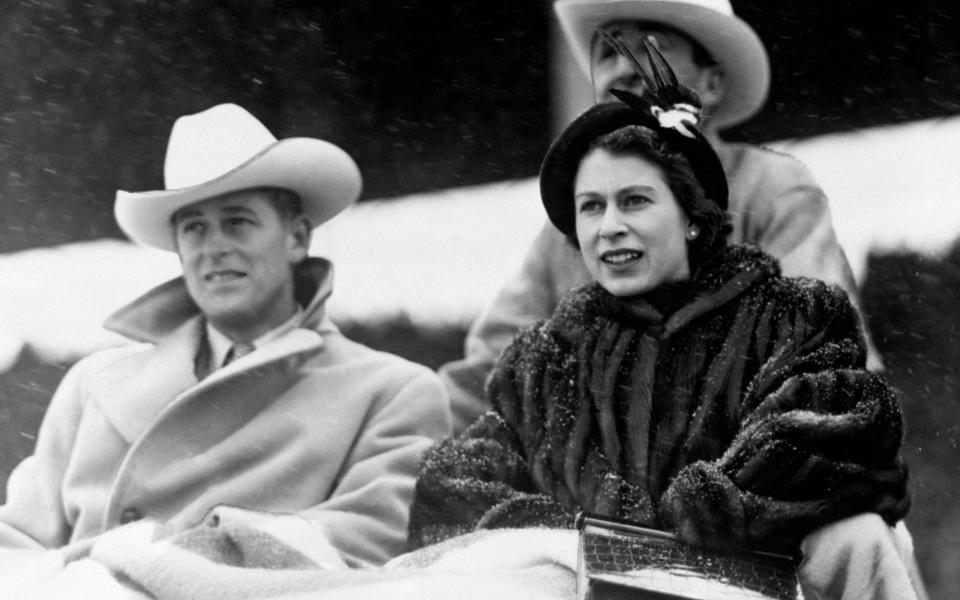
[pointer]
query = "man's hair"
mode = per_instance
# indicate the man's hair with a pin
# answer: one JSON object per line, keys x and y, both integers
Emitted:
{"x": 701, "y": 56}
{"x": 713, "y": 221}
{"x": 287, "y": 204}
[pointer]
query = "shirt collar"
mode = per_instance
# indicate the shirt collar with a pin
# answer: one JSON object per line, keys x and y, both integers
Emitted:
{"x": 219, "y": 344}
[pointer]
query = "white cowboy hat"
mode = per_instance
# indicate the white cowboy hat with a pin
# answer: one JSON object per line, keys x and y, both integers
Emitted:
{"x": 729, "y": 39}
{"x": 226, "y": 149}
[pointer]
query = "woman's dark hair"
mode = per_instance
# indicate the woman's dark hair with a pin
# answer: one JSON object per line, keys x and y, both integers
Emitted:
{"x": 713, "y": 221}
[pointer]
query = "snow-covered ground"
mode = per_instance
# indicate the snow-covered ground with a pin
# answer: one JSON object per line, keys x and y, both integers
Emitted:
{"x": 437, "y": 258}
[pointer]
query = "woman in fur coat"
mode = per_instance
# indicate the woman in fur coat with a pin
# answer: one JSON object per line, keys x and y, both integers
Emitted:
{"x": 690, "y": 387}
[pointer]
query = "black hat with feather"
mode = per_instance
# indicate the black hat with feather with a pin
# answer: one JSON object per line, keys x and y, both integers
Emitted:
{"x": 670, "y": 109}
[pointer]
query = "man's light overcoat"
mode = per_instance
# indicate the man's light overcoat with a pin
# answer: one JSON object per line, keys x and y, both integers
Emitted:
{"x": 312, "y": 423}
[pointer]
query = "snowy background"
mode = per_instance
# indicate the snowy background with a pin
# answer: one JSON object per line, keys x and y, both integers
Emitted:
{"x": 436, "y": 258}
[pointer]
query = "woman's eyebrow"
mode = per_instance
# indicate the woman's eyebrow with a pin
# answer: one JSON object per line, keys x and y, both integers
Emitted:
{"x": 637, "y": 188}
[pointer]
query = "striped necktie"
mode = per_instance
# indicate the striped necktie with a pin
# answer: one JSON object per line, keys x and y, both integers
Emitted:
{"x": 236, "y": 351}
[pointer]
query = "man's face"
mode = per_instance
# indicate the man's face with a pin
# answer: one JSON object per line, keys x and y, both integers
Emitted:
{"x": 237, "y": 255}
{"x": 612, "y": 71}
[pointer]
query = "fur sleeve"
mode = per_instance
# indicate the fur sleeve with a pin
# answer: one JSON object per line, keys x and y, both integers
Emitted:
{"x": 482, "y": 479}
{"x": 819, "y": 440}
{"x": 477, "y": 481}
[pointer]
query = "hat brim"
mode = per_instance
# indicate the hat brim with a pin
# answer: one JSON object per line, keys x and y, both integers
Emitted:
{"x": 325, "y": 178}
{"x": 730, "y": 40}
{"x": 562, "y": 160}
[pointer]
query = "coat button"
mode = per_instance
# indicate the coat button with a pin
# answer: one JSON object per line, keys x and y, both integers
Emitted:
{"x": 129, "y": 515}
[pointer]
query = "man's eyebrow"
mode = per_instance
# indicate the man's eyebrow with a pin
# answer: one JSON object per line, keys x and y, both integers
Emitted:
{"x": 185, "y": 213}
{"x": 234, "y": 209}
{"x": 195, "y": 212}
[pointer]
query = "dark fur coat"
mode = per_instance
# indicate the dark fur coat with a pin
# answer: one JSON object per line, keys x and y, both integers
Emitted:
{"x": 734, "y": 409}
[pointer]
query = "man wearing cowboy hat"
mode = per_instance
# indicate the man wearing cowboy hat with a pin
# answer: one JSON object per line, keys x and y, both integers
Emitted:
{"x": 241, "y": 395}
{"x": 774, "y": 201}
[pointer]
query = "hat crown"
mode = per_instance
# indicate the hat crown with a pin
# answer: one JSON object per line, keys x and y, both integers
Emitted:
{"x": 211, "y": 143}
{"x": 224, "y": 150}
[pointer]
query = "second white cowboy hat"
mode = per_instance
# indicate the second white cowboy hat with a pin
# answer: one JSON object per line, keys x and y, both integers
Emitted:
{"x": 729, "y": 39}
{"x": 225, "y": 149}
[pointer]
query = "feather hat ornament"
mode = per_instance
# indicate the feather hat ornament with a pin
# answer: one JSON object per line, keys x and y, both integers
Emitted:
{"x": 662, "y": 90}
{"x": 666, "y": 106}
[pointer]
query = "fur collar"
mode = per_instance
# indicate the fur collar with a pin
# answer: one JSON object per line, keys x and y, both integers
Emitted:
{"x": 719, "y": 281}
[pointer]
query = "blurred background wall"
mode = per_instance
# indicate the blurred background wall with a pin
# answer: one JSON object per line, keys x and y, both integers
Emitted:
{"x": 430, "y": 95}
{"x": 426, "y": 94}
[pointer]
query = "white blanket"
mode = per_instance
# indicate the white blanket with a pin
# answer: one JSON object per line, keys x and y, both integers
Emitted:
{"x": 212, "y": 562}
{"x": 231, "y": 558}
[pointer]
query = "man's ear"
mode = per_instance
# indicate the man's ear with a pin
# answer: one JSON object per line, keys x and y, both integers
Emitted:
{"x": 712, "y": 87}
{"x": 299, "y": 235}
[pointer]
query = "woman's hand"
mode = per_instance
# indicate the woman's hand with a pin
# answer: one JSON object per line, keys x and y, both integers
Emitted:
{"x": 704, "y": 508}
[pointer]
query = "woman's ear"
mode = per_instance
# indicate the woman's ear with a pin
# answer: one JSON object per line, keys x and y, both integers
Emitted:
{"x": 693, "y": 230}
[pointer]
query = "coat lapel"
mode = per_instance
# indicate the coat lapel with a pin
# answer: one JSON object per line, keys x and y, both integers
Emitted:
{"x": 216, "y": 412}
{"x": 134, "y": 395}
{"x": 133, "y": 392}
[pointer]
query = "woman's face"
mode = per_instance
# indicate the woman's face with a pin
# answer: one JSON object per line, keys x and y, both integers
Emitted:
{"x": 631, "y": 230}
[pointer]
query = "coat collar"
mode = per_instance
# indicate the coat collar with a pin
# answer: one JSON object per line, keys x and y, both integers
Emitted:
{"x": 138, "y": 387}
{"x": 721, "y": 280}
{"x": 165, "y": 308}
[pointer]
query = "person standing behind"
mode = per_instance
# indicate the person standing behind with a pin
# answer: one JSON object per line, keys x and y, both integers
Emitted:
{"x": 775, "y": 203}
{"x": 241, "y": 394}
